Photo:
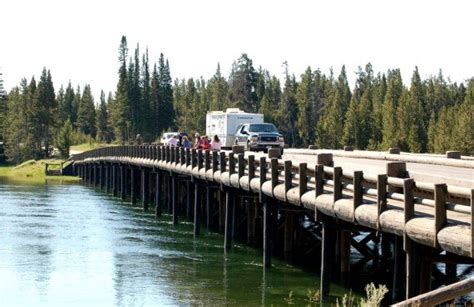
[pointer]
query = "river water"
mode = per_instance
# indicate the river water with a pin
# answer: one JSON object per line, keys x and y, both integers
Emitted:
{"x": 70, "y": 245}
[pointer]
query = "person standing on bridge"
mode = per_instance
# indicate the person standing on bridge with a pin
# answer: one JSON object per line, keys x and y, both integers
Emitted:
{"x": 198, "y": 142}
{"x": 216, "y": 143}
{"x": 185, "y": 142}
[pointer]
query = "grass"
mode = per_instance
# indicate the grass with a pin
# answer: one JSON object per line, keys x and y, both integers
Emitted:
{"x": 87, "y": 146}
{"x": 33, "y": 171}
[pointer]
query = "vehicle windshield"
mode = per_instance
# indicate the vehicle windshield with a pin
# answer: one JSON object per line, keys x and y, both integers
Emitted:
{"x": 262, "y": 128}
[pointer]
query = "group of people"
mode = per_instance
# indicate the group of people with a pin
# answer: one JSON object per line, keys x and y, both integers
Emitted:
{"x": 200, "y": 142}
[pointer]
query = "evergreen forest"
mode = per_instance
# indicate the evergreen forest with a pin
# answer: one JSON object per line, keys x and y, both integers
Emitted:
{"x": 379, "y": 111}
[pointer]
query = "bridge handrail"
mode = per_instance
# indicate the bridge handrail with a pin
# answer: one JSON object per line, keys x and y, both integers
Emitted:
{"x": 440, "y": 295}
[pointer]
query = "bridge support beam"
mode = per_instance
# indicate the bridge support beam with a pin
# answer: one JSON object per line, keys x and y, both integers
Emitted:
{"x": 107, "y": 178}
{"x": 327, "y": 257}
{"x": 133, "y": 185}
{"x": 197, "y": 209}
{"x": 144, "y": 189}
{"x": 158, "y": 194}
{"x": 398, "y": 270}
{"x": 229, "y": 218}
{"x": 123, "y": 183}
{"x": 189, "y": 198}
{"x": 114, "y": 180}
{"x": 174, "y": 198}
{"x": 267, "y": 232}
{"x": 251, "y": 215}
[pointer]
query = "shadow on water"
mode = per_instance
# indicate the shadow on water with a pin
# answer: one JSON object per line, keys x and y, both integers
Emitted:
{"x": 66, "y": 244}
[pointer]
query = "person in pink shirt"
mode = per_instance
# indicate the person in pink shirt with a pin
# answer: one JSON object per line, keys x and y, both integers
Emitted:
{"x": 216, "y": 143}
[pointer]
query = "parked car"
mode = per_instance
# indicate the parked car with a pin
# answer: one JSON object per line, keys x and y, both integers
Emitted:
{"x": 260, "y": 136}
{"x": 168, "y": 135}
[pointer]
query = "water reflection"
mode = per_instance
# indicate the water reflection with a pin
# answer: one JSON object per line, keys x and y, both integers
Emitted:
{"x": 71, "y": 245}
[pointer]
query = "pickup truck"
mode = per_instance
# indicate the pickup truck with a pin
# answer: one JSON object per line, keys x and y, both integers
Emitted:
{"x": 257, "y": 137}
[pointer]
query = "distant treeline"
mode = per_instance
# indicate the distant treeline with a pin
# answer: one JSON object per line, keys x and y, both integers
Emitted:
{"x": 431, "y": 115}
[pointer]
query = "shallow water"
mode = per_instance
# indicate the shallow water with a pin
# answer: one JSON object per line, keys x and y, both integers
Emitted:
{"x": 70, "y": 245}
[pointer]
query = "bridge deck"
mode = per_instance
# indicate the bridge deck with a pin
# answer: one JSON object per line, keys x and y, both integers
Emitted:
{"x": 431, "y": 213}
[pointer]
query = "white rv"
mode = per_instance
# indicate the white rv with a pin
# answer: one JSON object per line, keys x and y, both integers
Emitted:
{"x": 225, "y": 124}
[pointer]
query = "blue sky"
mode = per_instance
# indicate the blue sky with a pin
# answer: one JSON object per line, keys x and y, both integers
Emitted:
{"x": 78, "y": 40}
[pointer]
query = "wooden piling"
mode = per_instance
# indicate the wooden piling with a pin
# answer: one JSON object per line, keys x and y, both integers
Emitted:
{"x": 174, "y": 196}
{"x": 197, "y": 208}
{"x": 144, "y": 187}
{"x": 267, "y": 233}
{"x": 327, "y": 254}
{"x": 158, "y": 194}
{"x": 229, "y": 210}
{"x": 133, "y": 185}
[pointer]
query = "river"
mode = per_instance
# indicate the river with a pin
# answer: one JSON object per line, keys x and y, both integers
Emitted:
{"x": 71, "y": 245}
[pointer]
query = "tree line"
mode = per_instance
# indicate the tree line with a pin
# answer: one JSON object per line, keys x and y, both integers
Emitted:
{"x": 430, "y": 115}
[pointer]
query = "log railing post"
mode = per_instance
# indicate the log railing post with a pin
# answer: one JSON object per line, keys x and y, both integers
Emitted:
{"x": 319, "y": 178}
{"x": 358, "y": 191}
{"x": 381, "y": 196}
{"x": 440, "y": 191}
{"x": 409, "y": 213}
{"x": 303, "y": 180}
{"x": 337, "y": 179}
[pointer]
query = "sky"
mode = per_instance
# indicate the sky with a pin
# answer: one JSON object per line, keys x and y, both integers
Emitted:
{"x": 78, "y": 40}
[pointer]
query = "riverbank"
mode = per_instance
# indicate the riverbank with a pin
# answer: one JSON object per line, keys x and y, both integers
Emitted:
{"x": 33, "y": 171}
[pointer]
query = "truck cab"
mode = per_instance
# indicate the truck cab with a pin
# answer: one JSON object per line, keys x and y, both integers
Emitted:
{"x": 261, "y": 136}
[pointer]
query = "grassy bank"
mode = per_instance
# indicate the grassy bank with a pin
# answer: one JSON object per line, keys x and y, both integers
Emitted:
{"x": 32, "y": 171}
{"x": 88, "y": 146}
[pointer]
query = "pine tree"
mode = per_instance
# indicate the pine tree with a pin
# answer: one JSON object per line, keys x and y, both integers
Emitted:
{"x": 305, "y": 102}
{"x": 63, "y": 139}
{"x": 379, "y": 90}
{"x": 155, "y": 101}
{"x": 147, "y": 127}
{"x": 243, "y": 85}
{"x": 69, "y": 108}
{"x": 270, "y": 98}
{"x": 218, "y": 88}
{"x": 118, "y": 114}
{"x": 463, "y": 134}
{"x": 166, "y": 108}
{"x": 288, "y": 109}
{"x": 103, "y": 134}
{"x": 417, "y": 137}
{"x": 47, "y": 108}
{"x": 392, "y": 96}
{"x": 86, "y": 117}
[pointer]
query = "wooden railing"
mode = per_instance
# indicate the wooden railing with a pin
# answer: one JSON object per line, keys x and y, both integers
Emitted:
{"x": 440, "y": 295}
{"x": 360, "y": 186}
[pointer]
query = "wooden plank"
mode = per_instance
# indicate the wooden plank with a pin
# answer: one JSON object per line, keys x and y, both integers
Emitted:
{"x": 440, "y": 295}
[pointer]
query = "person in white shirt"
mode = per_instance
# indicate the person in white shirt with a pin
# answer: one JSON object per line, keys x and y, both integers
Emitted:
{"x": 216, "y": 143}
{"x": 173, "y": 142}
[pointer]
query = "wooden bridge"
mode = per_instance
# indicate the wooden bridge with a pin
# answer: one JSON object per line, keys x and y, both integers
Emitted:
{"x": 396, "y": 223}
